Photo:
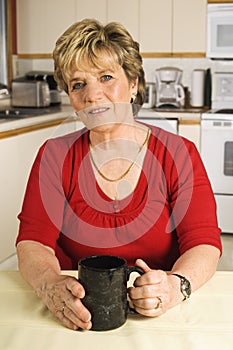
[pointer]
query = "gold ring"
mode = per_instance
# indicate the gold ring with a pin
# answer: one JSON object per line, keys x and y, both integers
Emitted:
{"x": 159, "y": 304}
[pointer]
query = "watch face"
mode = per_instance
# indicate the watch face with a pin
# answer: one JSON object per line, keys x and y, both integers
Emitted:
{"x": 186, "y": 287}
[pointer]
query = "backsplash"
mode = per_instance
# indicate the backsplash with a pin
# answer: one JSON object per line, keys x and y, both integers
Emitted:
{"x": 186, "y": 64}
{"x": 21, "y": 66}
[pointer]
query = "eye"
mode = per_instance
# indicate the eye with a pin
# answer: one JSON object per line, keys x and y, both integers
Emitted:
{"x": 106, "y": 77}
{"x": 78, "y": 85}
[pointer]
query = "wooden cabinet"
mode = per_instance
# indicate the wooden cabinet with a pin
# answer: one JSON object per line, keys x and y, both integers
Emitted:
{"x": 17, "y": 154}
{"x": 189, "y": 26}
{"x": 219, "y": 1}
{"x": 125, "y": 12}
{"x": 39, "y": 23}
{"x": 91, "y": 9}
{"x": 190, "y": 130}
{"x": 173, "y": 27}
{"x": 162, "y": 27}
{"x": 155, "y": 31}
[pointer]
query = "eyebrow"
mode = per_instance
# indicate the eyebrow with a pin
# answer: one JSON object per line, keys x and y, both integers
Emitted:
{"x": 106, "y": 70}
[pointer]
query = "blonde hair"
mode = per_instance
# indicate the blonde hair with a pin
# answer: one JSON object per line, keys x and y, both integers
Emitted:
{"x": 90, "y": 41}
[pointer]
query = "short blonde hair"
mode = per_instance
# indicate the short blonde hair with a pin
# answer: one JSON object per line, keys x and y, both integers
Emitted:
{"x": 86, "y": 41}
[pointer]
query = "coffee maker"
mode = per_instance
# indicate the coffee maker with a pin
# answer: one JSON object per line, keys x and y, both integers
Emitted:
{"x": 169, "y": 91}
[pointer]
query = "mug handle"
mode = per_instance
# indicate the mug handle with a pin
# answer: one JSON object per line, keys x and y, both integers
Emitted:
{"x": 131, "y": 269}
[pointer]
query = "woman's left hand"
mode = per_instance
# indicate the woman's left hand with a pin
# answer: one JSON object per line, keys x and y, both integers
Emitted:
{"x": 154, "y": 292}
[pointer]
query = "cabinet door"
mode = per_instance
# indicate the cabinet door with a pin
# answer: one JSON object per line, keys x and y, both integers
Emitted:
{"x": 190, "y": 130}
{"x": 189, "y": 26}
{"x": 40, "y": 23}
{"x": 10, "y": 195}
{"x": 155, "y": 29}
{"x": 91, "y": 9}
{"x": 126, "y": 13}
{"x": 16, "y": 157}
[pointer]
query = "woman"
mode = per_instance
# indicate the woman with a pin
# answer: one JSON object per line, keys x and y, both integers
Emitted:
{"x": 116, "y": 187}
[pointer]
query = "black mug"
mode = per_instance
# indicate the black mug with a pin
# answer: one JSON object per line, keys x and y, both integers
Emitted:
{"x": 104, "y": 278}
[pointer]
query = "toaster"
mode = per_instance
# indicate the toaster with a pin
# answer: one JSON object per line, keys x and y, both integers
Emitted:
{"x": 55, "y": 96}
{"x": 30, "y": 93}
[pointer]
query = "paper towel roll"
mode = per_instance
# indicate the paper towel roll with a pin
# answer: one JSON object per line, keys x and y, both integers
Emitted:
{"x": 197, "y": 88}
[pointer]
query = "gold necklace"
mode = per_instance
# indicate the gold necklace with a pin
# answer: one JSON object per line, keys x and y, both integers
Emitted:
{"x": 127, "y": 170}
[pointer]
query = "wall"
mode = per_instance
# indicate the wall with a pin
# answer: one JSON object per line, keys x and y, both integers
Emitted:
{"x": 21, "y": 66}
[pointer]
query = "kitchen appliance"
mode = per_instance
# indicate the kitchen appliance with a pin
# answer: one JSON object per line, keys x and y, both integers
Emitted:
{"x": 169, "y": 91}
{"x": 55, "y": 96}
{"x": 217, "y": 155}
{"x": 149, "y": 96}
{"x": 222, "y": 93}
{"x": 220, "y": 31}
{"x": 217, "y": 147}
{"x": 30, "y": 93}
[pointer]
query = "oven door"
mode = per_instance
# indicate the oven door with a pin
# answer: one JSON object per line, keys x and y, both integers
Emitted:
{"x": 217, "y": 153}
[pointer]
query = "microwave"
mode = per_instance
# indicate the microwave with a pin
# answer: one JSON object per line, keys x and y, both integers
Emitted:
{"x": 219, "y": 31}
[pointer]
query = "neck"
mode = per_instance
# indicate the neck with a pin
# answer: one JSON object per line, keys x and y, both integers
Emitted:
{"x": 115, "y": 157}
{"x": 108, "y": 139}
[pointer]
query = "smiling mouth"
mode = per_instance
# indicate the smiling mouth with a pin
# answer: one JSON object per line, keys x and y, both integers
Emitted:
{"x": 98, "y": 110}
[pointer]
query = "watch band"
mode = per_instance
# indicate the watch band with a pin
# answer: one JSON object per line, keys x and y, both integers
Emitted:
{"x": 185, "y": 286}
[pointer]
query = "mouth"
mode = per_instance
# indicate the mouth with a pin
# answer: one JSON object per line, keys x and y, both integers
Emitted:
{"x": 99, "y": 110}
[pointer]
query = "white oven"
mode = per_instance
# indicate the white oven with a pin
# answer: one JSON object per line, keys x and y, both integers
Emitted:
{"x": 217, "y": 155}
{"x": 220, "y": 31}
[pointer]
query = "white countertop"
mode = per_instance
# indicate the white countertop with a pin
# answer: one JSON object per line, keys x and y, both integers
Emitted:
{"x": 68, "y": 112}
{"x": 180, "y": 114}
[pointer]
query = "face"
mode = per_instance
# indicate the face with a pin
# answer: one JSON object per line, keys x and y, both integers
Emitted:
{"x": 101, "y": 95}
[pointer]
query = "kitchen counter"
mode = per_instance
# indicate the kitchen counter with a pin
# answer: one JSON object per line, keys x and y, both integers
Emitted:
{"x": 182, "y": 114}
{"x": 54, "y": 116}
{"x": 64, "y": 114}
{"x": 205, "y": 321}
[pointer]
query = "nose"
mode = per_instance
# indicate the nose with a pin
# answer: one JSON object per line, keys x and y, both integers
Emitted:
{"x": 94, "y": 92}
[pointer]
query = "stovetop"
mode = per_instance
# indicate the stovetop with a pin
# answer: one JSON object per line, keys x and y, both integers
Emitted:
{"x": 12, "y": 113}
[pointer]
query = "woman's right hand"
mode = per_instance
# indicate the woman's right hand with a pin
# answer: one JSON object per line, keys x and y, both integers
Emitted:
{"x": 62, "y": 295}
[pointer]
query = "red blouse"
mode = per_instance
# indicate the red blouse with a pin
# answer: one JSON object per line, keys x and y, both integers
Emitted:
{"x": 171, "y": 210}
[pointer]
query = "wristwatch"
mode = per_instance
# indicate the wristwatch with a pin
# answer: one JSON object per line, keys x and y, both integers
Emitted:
{"x": 185, "y": 286}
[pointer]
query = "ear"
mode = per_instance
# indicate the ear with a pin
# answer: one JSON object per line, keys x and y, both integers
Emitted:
{"x": 134, "y": 86}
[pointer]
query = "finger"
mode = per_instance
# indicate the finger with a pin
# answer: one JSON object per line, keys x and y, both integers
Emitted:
{"x": 60, "y": 315}
{"x": 78, "y": 321}
{"x": 146, "y": 291}
{"x": 65, "y": 317}
{"x": 149, "y": 278}
{"x": 149, "y": 313}
{"x": 79, "y": 311}
{"x": 142, "y": 264}
{"x": 147, "y": 303}
{"x": 75, "y": 288}
{"x": 150, "y": 306}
